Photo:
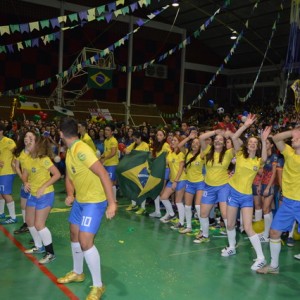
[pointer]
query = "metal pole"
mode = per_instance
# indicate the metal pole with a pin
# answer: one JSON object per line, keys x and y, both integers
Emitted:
{"x": 129, "y": 73}
{"x": 181, "y": 82}
{"x": 60, "y": 95}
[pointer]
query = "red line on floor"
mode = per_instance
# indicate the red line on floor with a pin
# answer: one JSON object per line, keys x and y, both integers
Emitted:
{"x": 51, "y": 276}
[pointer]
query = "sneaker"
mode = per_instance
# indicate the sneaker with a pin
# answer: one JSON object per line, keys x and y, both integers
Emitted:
{"x": 22, "y": 229}
{"x": 164, "y": 217}
{"x": 177, "y": 226}
{"x": 155, "y": 215}
{"x": 263, "y": 239}
{"x": 290, "y": 242}
{"x": 201, "y": 239}
{"x": 185, "y": 230}
{"x": 141, "y": 211}
{"x": 297, "y": 256}
{"x": 268, "y": 270}
{"x": 48, "y": 258}
{"x": 71, "y": 277}
{"x": 31, "y": 242}
{"x": 194, "y": 232}
{"x": 96, "y": 293}
{"x": 131, "y": 207}
{"x": 2, "y": 216}
{"x": 227, "y": 251}
{"x": 9, "y": 220}
{"x": 259, "y": 263}
{"x": 223, "y": 231}
{"x": 35, "y": 250}
{"x": 168, "y": 218}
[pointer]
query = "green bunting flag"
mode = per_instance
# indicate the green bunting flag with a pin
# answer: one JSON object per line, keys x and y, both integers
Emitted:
{"x": 140, "y": 176}
{"x": 99, "y": 78}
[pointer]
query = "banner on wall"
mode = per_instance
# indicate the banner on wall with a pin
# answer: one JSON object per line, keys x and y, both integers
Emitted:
{"x": 99, "y": 78}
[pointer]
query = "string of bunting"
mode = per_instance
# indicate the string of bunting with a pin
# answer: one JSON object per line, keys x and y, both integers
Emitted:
{"x": 178, "y": 47}
{"x": 86, "y": 15}
{"x": 274, "y": 27}
{"x": 92, "y": 60}
{"x": 213, "y": 79}
{"x": 83, "y": 18}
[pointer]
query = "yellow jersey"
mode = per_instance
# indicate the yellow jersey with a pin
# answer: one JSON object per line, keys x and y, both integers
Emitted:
{"x": 7, "y": 146}
{"x": 245, "y": 172}
{"x": 217, "y": 173}
{"x": 22, "y": 158}
{"x": 173, "y": 161}
{"x": 108, "y": 145}
{"x": 165, "y": 148}
{"x": 291, "y": 174}
{"x": 194, "y": 169}
{"x": 88, "y": 140}
{"x": 80, "y": 157}
{"x": 38, "y": 173}
{"x": 141, "y": 147}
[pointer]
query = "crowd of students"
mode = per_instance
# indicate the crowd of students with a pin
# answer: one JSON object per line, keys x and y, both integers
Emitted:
{"x": 241, "y": 166}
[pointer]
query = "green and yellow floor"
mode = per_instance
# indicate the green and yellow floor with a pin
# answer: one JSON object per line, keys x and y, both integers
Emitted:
{"x": 142, "y": 259}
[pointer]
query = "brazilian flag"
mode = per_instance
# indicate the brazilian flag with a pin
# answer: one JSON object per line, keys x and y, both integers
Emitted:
{"x": 99, "y": 78}
{"x": 140, "y": 176}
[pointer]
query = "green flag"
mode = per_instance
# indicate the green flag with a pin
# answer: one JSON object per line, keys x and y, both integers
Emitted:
{"x": 140, "y": 176}
{"x": 99, "y": 78}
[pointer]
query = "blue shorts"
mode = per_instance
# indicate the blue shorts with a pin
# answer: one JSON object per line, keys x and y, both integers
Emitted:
{"x": 87, "y": 216}
{"x": 237, "y": 199}
{"x": 167, "y": 173}
{"x": 215, "y": 194}
{"x": 271, "y": 190}
{"x": 24, "y": 194}
{"x": 111, "y": 170}
{"x": 6, "y": 184}
{"x": 194, "y": 187}
{"x": 254, "y": 190}
{"x": 42, "y": 202}
{"x": 180, "y": 185}
{"x": 287, "y": 213}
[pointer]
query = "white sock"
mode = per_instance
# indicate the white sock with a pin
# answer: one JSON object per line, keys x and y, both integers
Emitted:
{"x": 157, "y": 204}
{"x": 231, "y": 234}
{"x": 92, "y": 258}
{"x": 133, "y": 203}
{"x": 11, "y": 209}
{"x": 188, "y": 215}
{"x": 23, "y": 215}
{"x": 45, "y": 235}
{"x": 167, "y": 204}
{"x": 180, "y": 208}
{"x": 198, "y": 210}
{"x": 268, "y": 221}
{"x": 275, "y": 248}
{"x": 114, "y": 191}
{"x": 77, "y": 257}
{"x": 205, "y": 226}
{"x": 254, "y": 239}
{"x": 36, "y": 237}
{"x": 143, "y": 204}
{"x": 2, "y": 204}
{"x": 258, "y": 215}
{"x": 291, "y": 233}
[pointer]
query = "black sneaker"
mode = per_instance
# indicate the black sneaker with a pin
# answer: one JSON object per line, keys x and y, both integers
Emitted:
{"x": 22, "y": 229}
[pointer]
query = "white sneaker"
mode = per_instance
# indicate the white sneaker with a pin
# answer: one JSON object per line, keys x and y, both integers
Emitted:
{"x": 259, "y": 263}
{"x": 166, "y": 216}
{"x": 155, "y": 215}
{"x": 227, "y": 251}
{"x": 297, "y": 256}
{"x": 185, "y": 230}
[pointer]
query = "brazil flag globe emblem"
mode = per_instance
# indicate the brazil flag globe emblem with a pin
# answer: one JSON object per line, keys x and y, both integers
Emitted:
{"x": 99, "y": 78}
